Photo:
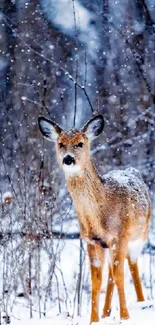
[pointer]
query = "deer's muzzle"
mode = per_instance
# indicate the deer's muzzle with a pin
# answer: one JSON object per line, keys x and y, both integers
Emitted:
{"x": 68, "y": 160}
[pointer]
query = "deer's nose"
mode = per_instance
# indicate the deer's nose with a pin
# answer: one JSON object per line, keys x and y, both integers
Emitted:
{"x": 68, "y": 160}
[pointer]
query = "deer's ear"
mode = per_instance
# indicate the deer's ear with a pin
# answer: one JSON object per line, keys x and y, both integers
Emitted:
{"x": 94, "y": 127}
{"x": 48, "y": 128}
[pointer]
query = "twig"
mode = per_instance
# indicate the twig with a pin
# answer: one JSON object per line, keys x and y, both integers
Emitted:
{"x": 85, "y": 79}
{"x": 78, "y": 85}
{"x": 40, "y": 235}
{"x": 76, "y": 68}
{"x": 118, "y": 144}
{"x": 80, "y": 279}
{"x": 75, "y": 88}
{"x": 150, "y": 22}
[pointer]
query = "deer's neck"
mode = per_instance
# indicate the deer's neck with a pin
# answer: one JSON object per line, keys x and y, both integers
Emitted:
{"x": 89, "y": 197}
{"x": 88, "y": 180}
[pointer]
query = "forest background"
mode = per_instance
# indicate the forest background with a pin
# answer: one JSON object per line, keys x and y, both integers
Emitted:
{"x": 66, "y": 60}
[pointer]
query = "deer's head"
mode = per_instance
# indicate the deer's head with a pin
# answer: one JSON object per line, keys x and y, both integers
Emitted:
{"x": 72, "y": 146}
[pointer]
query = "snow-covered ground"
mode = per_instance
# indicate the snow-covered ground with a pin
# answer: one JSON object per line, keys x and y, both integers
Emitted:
{"x": 61, "y": 301}
{"x": 141, "y": 314}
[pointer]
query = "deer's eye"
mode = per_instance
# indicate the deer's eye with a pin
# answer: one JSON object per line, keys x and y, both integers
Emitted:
{"x": 80, "y": 144}
{"x": 61, "y": 145}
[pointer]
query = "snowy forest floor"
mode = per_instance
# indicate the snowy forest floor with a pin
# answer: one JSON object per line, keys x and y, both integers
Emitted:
{"x": 141, "y": 314}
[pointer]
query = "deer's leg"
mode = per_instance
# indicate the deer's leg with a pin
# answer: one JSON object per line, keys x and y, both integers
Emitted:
{"x": 118, "y": 274}
{"x": 109, "y": 294}
{"x": 96, "y": 257}
{"x": 136, "y": 279}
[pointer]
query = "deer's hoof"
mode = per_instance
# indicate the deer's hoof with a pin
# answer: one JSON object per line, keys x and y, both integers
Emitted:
{"x": 106, "y": 313}
{"x": 124, "y": 314}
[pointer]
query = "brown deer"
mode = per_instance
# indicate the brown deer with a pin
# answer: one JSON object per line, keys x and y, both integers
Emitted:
{"x": 113, "y": 210}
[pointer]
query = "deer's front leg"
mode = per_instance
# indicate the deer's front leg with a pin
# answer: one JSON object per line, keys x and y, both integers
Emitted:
{"x": 109, "y": 294}
{"x": 96, "y": 257}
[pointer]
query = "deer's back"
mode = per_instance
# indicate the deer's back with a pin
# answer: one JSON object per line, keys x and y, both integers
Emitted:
{"x": 128, "y": 200}
{"x": 127, "y": 185}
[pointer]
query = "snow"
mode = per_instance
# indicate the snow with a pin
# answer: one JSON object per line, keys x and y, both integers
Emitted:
{"x": 3, "y": 63}
{"x": 62, "y": 13}
{"x": 113, "y": 99}
{"x": 129, "y": 180}
{"x": 7, "y": 197}
{"x": 70, "y": 16}
{"x": 123, "y": 176}
{"x": 142, "y": 313}
{"x": 139, "y": 27}
{"x": 96, "y": 262}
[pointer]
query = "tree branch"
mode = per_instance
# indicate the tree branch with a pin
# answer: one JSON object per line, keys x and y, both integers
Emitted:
{"x": 40, "y": 235}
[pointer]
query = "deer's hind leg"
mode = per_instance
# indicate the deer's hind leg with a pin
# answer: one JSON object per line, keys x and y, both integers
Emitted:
{"x": 136, "y": 279}
{"x": 96, "y": 257}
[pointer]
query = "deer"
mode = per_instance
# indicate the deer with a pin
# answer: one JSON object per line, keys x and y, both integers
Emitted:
{"x": 113, "y": 211}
